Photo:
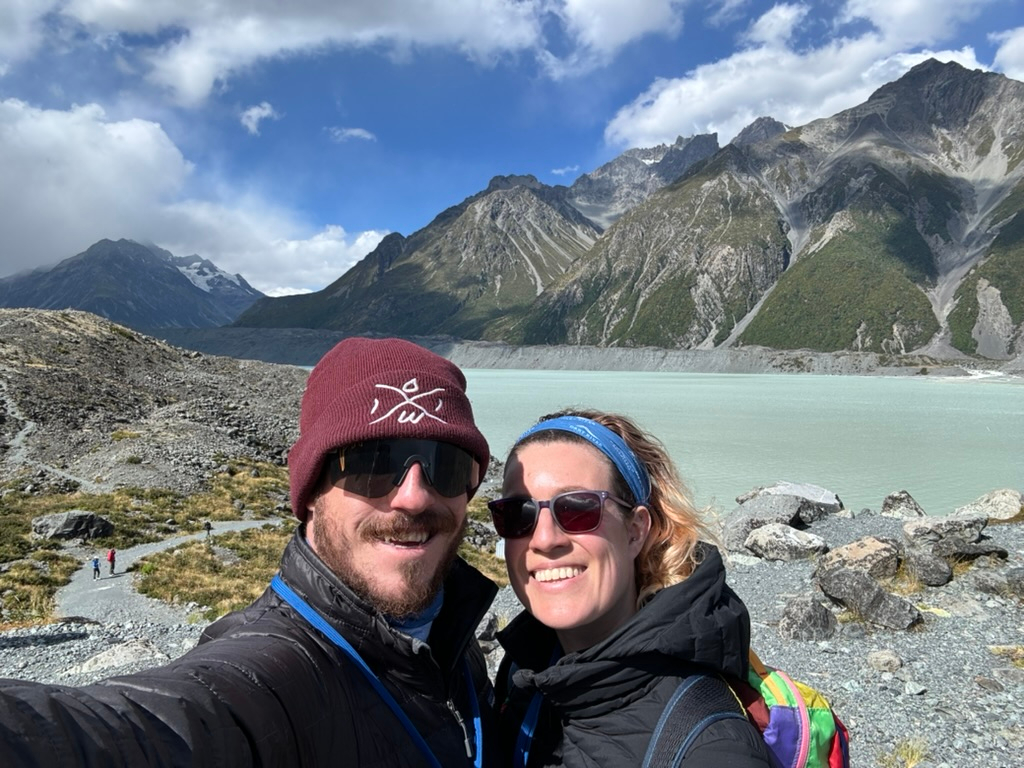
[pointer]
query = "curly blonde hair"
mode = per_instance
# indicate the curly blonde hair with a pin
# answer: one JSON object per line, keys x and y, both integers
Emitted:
{"x": 670, "y": 553}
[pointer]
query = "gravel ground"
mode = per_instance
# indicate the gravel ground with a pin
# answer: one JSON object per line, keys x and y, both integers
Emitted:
{"x": 68, "y": 381}
{"x": 952, "y": 691}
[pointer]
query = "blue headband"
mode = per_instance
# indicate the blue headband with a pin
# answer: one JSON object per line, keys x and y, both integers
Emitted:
{"x": 608, "y": 443}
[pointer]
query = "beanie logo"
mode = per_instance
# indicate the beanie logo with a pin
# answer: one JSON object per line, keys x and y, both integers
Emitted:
{"x": 409, "y": 409}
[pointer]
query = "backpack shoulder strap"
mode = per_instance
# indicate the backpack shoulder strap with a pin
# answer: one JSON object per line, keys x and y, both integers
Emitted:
{"x": 699, "y": 701}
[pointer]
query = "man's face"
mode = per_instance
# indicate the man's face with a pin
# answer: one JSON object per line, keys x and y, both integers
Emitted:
{"x": 394, "y": 551}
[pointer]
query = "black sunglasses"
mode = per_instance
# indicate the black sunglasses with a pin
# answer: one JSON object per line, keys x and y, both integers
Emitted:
{"x": 372, "y": 468}
{"x": 574, "y": 512}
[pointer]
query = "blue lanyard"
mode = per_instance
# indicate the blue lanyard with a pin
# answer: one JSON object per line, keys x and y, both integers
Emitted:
{"x": 318, "y": 621}
{"x": 529, "y": 725}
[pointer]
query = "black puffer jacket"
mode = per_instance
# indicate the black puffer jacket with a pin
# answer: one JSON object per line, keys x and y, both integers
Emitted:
{"x": 263, "y": 688}
{"x": 601, "y": 704}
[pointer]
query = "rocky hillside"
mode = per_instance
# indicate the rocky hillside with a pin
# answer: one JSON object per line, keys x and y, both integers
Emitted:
{"x": 854, "y": 232}
{"x": 90, "y": 404}
{"x": 485, "y": 259}
{"x": 893, "y": 227}
{"x": 607, "y": 193}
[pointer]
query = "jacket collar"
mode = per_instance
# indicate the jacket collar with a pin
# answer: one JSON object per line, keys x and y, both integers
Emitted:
{"x": 468, "y": 595}
{"x": 699, "y": 622}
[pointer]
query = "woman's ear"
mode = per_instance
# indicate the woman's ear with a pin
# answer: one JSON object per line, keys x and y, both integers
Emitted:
{"x": 638, "y": 527}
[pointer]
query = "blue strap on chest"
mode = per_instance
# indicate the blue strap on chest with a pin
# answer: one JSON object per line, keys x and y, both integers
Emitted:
{"x": 529, "y": 725}
{"x": 318, "y": 621}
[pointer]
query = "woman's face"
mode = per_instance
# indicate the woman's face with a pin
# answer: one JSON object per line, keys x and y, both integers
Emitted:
{"x": 581, "y": 585}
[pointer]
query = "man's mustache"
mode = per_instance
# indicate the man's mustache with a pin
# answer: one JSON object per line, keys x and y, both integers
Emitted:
{"x": 397, "y": 525}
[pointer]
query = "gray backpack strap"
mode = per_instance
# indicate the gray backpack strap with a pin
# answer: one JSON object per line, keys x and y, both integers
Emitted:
{"x": 699, "y": 701}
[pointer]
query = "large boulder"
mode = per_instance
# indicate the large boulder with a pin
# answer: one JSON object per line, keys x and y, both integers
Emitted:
{"x": 1002, "y": 505}
{"x": 755, "y": 513}
{"x": 863, "y": 595}
{"x": 804, "y": 618}
{"x": 782, "y": 542}
{"x": 814, "y": 503}
{"x": 879, "y": 558}
{"x": 761, "y": 507}
{"x": 930, "y": 570}
{"x": 901, "y": 504}
{"x": 73, "y": 524}
{"x": 926, "y": 532}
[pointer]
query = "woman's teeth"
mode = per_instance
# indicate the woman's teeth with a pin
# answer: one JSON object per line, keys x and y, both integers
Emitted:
{"x": 557, "y": 574}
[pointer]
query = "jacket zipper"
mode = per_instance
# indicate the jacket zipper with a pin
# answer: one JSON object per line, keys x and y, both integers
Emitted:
{"x": 462, "y": 725}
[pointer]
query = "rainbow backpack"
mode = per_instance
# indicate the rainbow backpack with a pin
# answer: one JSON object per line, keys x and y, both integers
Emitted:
{"x": 795, "y": 721}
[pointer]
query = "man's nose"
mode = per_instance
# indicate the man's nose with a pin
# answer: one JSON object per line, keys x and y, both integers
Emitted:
{"x": 414, "y": 493}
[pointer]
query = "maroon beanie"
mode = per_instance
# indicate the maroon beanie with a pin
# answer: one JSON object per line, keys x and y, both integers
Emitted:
{"x": 378, "y": 388}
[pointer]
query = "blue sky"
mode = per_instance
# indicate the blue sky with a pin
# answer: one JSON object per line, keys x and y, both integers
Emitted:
{"x": 283, "y": 140}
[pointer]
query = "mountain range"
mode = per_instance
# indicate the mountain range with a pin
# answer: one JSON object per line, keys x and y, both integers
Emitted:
{"x": 893, "y": 227}
{"x": 890, "y": 227}
{"x": 141, "y": 286}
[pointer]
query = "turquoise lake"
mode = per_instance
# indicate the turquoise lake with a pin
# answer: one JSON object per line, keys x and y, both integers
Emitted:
{"x": 946, "y": 441}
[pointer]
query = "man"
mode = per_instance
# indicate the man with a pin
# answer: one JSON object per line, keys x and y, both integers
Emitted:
{"x": 362, "y": 652}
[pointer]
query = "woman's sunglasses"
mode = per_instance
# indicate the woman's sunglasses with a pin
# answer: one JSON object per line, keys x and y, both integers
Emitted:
{"x": 574, "y": 512}
{"x": 371, "y": 469}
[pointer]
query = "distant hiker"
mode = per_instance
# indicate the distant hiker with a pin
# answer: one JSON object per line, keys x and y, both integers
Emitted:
{"x": 209, "y": 527}
{"x": 363, "y": 645}
{"x": 111, "y": 556}
{"x": 96, "y": 567}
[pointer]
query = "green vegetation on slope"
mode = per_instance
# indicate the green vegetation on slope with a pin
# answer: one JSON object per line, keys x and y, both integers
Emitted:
{"x": 1004, "y": 269}
{"x": 663, "y": 319}
{"x": 854, "y": 282}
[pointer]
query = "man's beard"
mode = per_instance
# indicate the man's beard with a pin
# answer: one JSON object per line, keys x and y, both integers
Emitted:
{"x": 421, "y": 586}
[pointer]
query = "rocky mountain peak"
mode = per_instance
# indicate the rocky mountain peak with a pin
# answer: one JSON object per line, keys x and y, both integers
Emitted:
{"x": 762, "y": 129}
{"x": 138, "y": 285}
{"x": 513, "y": 180}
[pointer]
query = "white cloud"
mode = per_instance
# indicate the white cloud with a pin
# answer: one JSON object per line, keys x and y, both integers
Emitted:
{"x": 1009, "y": 59}
{"x": 74, "y": 177}
{"x": 598, "y": 29}
{"x": 772, "y": 77}
{"x": 252, "y": 117}
{"x": 224, "y": 37}
{"x": 563, "y": 171}
{"x": 777, "y": 26}
{"x": 905, "y": 23}
{"x": 204, "y": 43}
{"x": 340, "y": 135}
{"x": 20, "y": 28}
{"x": 263, "y": 244}
{"x": 607, "y": 25}
{"x": 727, "y": 12}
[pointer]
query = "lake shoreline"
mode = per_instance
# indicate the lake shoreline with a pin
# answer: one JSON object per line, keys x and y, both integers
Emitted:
{"x": 305, "y": 346}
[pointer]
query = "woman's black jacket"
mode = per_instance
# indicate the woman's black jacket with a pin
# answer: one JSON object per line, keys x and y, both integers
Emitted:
{"x": 601, "y": 704}
{"x": 263, "y": 688}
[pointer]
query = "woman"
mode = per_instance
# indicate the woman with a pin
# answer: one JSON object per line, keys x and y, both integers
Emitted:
{"x": 623, "y": 602}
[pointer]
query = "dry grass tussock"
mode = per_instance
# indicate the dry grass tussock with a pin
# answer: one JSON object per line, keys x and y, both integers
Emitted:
{"x": 904, "y": 582}
{"x": 222, "y": 574}
{"x": 28, "y": 586}
{"x": 140, "y": 515}
{"x": 906, "y": 753}
{"x": 1014, "y": 653}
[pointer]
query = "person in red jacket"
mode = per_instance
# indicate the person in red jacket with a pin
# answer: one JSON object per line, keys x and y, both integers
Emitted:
{"x": 111, "y": 559}
{"x": 362, "y": 651}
